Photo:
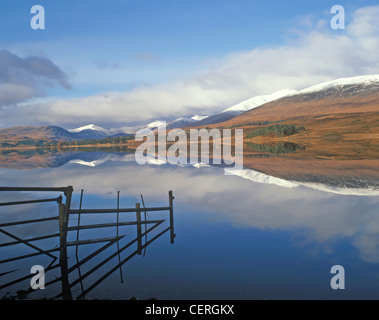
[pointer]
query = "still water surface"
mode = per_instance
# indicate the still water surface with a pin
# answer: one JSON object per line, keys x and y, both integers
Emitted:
{"x": 235, "y": 238}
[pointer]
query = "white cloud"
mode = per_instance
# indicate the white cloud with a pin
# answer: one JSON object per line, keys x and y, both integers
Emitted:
{"x": 317, "y": 55}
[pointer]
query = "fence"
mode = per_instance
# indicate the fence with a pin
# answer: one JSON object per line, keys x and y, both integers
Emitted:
{"x": 65, "y": 212}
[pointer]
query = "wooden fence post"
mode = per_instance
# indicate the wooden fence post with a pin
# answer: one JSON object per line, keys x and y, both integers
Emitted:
{"x": 139, "y": 229}
{"x": 64, "y": 211}
{"x": 171, "y": 205}
{"x": 63, "y": 223}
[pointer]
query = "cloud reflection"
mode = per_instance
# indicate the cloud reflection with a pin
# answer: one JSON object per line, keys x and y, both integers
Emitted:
{"x": 320, "y": 218}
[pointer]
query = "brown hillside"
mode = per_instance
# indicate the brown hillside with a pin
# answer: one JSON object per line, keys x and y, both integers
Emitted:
{"x": 304, "y": 106}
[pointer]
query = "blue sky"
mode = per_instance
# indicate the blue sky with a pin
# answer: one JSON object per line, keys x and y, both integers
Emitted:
{"x": 127, "y": 46}
{"x": 152, "y": 40}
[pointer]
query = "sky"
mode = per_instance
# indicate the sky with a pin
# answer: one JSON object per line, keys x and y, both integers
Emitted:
{"x": 121, "y": 62}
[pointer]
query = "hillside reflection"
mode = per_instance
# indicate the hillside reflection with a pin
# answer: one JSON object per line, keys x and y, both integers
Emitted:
{"x": 293, "y": 162}
{"x": 265, "y": 203}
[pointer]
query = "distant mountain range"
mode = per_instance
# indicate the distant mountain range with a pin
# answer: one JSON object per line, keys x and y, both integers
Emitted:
{"x": 355, "y": 95}
{"x": 33, "y": 135}
{"x": 196, "y": 121}
{"x": 344, "y": 88}
{"x": 97, "y": 130}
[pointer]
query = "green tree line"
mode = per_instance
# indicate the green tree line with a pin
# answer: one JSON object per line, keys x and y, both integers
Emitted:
{"x": 277, "y": 130}
{"x": 110, "y": 140}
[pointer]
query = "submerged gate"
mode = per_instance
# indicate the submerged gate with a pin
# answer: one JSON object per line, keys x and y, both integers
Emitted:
{"x": 58, "y": 255}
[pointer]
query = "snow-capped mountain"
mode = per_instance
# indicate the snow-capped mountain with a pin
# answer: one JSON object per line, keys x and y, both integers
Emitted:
{"x": 178, "y": 123}
{"x": 259, "y": 100}
{"x": 89, "y": 127}
{"x": 185, "y": 121}
{"x": 244, "y": 106}
{"x": 92, "y": 131}
{"x": 154, "y": 124}
{"x": 199, "y": 118}
{"x": 348, "y": 96}
{"x": 360, "y": 80}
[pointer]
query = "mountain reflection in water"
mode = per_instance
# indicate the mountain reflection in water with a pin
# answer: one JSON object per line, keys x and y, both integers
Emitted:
{"x": 233, "y": 231}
